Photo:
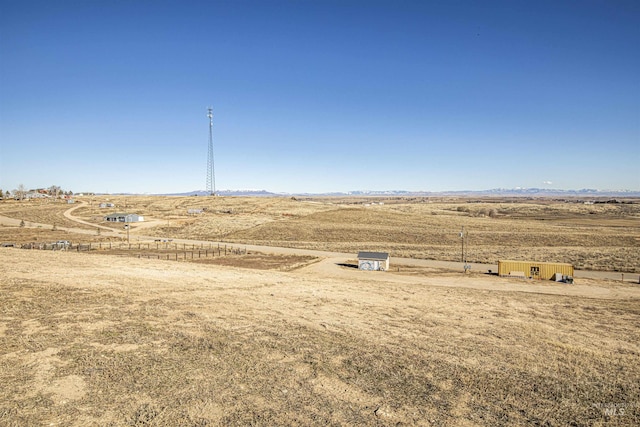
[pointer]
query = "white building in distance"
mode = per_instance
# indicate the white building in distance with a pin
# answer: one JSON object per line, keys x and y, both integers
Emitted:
{"x": 373, "y": 261}
{"x": 124, "y": 217}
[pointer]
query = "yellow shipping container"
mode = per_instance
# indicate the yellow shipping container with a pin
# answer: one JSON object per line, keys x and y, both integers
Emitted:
{"x": 534, "y": 270}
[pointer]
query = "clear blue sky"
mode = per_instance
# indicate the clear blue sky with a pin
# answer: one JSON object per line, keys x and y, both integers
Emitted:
{"x": 314, "y": 96}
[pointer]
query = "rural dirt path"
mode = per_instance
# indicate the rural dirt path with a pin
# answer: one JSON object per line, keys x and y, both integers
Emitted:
{"x": 68, "y": 214}
{"x": 331, "y": 260}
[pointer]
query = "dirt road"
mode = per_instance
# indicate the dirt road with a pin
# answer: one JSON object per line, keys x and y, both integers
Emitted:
{"x": 333, "y": 259}
{"x": 69, "y": 215}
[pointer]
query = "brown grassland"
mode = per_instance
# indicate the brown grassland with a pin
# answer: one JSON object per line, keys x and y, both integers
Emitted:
{"x": 600, "y": 236}
{"x": 257, "y": 339}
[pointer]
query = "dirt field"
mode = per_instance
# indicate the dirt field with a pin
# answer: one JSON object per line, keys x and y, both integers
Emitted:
{"x": 603, "y": 236}
{"x": 302, "y": 338}
{"x": 39, "y": 211}
{"x": 105, "y": 340}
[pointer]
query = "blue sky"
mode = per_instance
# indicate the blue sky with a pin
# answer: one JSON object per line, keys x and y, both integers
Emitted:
{"x": 315, "y": 96}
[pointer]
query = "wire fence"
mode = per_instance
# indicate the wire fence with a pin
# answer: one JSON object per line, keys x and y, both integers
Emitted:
{"x": 156, "y": 250}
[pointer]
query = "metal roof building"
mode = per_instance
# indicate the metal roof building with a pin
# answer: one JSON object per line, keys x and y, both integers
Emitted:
{"x": 124, "y": 217}
{"x": 373, "y": 261}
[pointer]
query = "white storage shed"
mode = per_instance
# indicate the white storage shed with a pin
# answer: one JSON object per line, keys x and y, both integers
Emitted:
{"x": 373, "y": 261}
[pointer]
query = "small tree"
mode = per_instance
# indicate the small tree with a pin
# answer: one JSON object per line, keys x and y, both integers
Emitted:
{"x": 54, "y": 191}
{"x": 20, "y": 192}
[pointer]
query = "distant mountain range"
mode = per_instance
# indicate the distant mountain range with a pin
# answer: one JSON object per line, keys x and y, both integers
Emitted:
{"x": 497, "y": 192}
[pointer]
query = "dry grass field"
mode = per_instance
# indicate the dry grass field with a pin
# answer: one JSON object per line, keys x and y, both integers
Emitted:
{"x": 107, "y": 338}
{"x": 589, "y": 236}
{"x": 104, "y": 340}
{"x": 42, "y": 234}
{"x": 47, "y": 212}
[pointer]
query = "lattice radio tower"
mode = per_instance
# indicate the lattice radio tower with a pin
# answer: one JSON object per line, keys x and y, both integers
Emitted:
{"x": 211, "y": 176}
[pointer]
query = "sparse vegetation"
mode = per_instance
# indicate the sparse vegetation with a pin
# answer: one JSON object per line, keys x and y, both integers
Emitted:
{"x": 121, "y": 341}
{"x": 597, "y": 236}
{"x": 261, "y": 339}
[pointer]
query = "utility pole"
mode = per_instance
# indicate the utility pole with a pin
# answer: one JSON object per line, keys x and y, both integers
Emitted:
{"x": 463, "y": 237}
{"x": 211, "y": 177}
{"x": 462, "y": 240}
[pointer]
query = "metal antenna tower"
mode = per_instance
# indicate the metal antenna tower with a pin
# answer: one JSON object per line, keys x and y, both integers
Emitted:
{"x": 211, "y": 176}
